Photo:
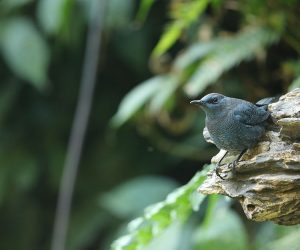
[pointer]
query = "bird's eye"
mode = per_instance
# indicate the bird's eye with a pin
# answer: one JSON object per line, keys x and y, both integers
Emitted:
{"x": 214, "y": 100}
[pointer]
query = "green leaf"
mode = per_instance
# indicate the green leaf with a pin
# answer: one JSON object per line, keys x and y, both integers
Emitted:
{"x": 189, "y": 11}
{"x": 122, "y": 201}
{"x": 144, "y": 9}
{"x": 184, "y": 15}
{"x": 169, "y": 37}
{"x": 157, "y": 91}
{"x": 135, "y": 99}
{"x": 167, "y": 88}
{"x": 25, "y": 51}
{"x": 168, "y": 240}
{"x": 158, "y": 217}
{"x": 228, "y": 53}
{"x": 50, "y": 14}
{"x": 193, "y": 54}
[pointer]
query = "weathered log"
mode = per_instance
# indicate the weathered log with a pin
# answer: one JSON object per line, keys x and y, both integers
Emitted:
{"x": 267, "y": 178}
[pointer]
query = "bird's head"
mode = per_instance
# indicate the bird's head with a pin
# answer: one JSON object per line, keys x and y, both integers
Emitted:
{"x": 211, "y": 103}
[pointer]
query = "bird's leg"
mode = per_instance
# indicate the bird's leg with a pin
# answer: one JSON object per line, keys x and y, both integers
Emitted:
{"x": 234, "y": 163}
{"x": 219, "y": 164}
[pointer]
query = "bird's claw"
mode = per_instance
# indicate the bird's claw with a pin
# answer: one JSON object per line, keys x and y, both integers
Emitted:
{"x": 232, "y": 165}
{"x": 217, "y": 172}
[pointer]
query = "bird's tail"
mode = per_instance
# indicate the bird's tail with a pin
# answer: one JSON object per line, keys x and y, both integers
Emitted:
{"x": 263, "y": 103}
{"x": 266, "y": 101}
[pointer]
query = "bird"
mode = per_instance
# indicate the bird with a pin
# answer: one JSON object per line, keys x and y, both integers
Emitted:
{"x": 234, "y": 125}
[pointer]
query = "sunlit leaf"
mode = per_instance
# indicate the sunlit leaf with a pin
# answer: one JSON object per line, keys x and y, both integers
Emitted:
{"x": 158, "y": 217}
{"x": 135, "y": 99}
{"x": 168, "y": 240}
{"x": 228, "y": 53}
{"x": 25, "y": 51}
{"x": 189, "y": 11}
{"x": 183, "y": 16}
{"x": 144, "y": 9}
{"x": 169, "y": 37}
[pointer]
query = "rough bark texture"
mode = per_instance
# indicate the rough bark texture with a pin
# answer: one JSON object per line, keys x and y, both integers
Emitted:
{"x": 267, "y": 178}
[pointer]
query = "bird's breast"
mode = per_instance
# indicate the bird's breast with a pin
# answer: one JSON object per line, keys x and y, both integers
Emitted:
{"x": 226, "y": 133}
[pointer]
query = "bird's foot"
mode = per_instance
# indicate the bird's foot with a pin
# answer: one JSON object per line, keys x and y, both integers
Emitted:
{"x": 217, "y": 172}
{"x": 232, "y": 165}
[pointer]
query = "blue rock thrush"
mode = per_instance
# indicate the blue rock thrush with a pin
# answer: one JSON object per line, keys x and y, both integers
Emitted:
{"x": 234, "y": 124}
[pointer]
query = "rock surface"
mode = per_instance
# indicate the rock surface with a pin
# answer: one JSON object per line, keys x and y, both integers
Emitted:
{"x": 267, "y": 178}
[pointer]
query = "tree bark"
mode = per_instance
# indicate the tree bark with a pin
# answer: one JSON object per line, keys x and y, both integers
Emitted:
{"x": 267, "y": 178}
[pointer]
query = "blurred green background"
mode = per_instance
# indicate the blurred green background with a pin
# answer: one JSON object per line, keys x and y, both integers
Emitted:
{"x": 144, "y": 139}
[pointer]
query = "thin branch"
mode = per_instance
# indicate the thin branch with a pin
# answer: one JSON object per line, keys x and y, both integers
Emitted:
{"x": 78, "y": 130}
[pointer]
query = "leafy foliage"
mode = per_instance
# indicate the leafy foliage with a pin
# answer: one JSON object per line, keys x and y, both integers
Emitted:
{"x": 202, "y": 63}
{"x": 25, "y": 50}
{"x": 183, "y": 15}
{"x": 156, "y": 90}
{"x": 144, "y": 9}
{"x": 213, "y": 58}
{"x": 248, "y": 49}
{"x": 227, "y": 53}
{"x": 136, "y": 99}
{"x": 51, "y": 14}
{"x": 158, "y": 217}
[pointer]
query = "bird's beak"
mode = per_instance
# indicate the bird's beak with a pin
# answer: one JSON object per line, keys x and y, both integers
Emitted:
{"x": 197, "y": 102}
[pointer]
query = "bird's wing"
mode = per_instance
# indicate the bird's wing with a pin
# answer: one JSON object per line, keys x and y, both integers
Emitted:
{"x": 249, "y": 114}
{"x": 266, "y": 101}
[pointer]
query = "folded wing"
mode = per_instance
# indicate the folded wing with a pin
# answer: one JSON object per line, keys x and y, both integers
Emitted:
{"x": 250, "y": 114}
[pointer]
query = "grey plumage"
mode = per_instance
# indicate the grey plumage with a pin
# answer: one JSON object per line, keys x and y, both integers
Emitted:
{"x": 234, "y": 124}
